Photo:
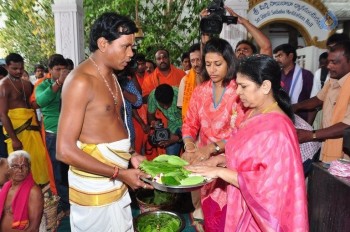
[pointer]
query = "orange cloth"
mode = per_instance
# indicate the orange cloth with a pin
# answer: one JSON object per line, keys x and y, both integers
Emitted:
{"x": 190, "y": 84}
{"x": 333, "y": 148}
{"x": 20, "y": 202}
{"x": 140, "y": 135}
{"x": 151, "y": 81}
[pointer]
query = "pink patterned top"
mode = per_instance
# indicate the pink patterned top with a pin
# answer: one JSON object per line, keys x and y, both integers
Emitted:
{"x": 210, "y": 122}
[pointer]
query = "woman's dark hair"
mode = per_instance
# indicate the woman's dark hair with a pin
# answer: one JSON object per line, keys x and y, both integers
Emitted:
{"x": 223, "y": 48}
{"x": 259, "y": 68}
{"x": 111, "y": 26}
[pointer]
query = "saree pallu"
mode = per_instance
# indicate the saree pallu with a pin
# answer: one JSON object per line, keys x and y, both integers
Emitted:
{"x": 272, "y": 194}
{"x": 28, "y": 132}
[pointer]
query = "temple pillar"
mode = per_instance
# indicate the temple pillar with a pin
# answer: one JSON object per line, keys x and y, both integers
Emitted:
{"x": 69, "y": 29}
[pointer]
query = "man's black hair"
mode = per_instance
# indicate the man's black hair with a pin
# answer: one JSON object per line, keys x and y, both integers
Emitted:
{"x": 70, "y": 63}
{"x": 337, "y": 37}
{"x": 56, "y": 59}
{"x": 139, "y": 57}
{"x": 324, "y": 55}
{"x": 184, "y": 56}
{"x": 39, "y": 66}
{"x": 164, "y": 93}
{"x": 194, "y": 47}
{"x": 13, "y": 57}
{"x": 286, "y": 48}
{"x": 110, "y": 26}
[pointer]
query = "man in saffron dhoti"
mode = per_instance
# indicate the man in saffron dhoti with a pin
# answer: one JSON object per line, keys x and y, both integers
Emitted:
{"x": 92, "y": 137}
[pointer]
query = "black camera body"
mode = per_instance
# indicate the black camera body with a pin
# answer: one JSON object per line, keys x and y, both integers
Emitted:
{"x": 160, "y": 133}
{"x": 212, "y": 24}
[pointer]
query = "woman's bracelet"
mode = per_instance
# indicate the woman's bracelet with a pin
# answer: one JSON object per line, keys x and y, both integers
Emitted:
{"x": 116, "y": 172}
{"x": 190, "y": 150}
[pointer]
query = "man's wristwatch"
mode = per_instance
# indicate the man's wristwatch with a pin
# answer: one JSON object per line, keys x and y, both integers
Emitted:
{"x": 217, "y": 148}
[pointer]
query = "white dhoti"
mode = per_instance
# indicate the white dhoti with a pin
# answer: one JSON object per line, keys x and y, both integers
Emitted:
{"x": 99, "y": 204}
{"x": 115, "y": 217}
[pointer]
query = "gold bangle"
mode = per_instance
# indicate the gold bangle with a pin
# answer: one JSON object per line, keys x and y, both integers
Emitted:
{"x": 314, "y": 134}
{"x": 190, "y": 150}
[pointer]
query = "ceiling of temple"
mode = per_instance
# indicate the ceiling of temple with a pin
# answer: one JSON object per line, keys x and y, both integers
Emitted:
{"x": 341, "y": 8}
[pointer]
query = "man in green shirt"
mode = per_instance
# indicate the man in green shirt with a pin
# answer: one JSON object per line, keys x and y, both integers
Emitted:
{"x": 48, "y": 97}
{"x": 164, "y": 98}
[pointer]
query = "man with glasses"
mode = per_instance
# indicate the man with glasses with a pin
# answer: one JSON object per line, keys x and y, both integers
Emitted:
{"x": 21, "y": 200}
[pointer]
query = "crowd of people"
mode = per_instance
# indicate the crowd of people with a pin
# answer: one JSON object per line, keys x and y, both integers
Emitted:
{"x": 241, "y": 116}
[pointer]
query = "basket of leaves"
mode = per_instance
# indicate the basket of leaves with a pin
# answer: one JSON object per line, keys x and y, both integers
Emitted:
{"x": 151, "y": 200}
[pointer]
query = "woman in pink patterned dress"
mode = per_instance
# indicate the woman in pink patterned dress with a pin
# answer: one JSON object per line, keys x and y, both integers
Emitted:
{"x": 212, "y": 115}
{"x": 266, "y": 190}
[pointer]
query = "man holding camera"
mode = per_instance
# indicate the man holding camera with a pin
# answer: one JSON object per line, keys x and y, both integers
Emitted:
{"x": 164, "y": 98}
{"x": 213, "y": 18}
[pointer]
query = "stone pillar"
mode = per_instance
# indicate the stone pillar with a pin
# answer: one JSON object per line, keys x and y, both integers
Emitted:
{"x": 69, "y": 29}
{"x": 235, "y": 32}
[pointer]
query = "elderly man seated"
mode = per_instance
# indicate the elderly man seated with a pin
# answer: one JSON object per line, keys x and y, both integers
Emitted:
{"x": 21, "y": 200}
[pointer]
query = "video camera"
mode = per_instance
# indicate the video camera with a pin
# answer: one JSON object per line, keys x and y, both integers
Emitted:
{"x": 212, "y": 24}
{"x": 160, "y": 133}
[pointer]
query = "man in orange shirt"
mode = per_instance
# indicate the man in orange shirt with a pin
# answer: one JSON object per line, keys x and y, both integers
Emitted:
{"x": 165, "y": 73}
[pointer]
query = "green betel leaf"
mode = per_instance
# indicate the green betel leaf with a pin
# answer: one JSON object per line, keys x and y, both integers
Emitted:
{"x": 177, "y": 161}
{"x": 162, "y": 158}
{"x": 170, "y": 181}
{"x": 192, "y": 180}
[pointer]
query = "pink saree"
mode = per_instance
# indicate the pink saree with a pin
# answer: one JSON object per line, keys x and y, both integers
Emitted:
{"x": 272, "y": 193}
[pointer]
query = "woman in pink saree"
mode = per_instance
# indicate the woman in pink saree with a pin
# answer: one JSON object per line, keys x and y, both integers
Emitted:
{"x": 266, "y": 190}
{"x": 212, "y": 114}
